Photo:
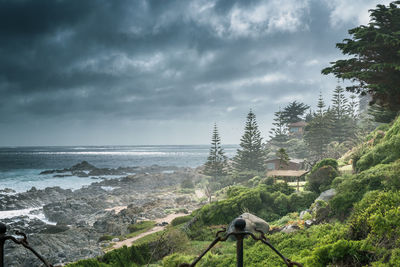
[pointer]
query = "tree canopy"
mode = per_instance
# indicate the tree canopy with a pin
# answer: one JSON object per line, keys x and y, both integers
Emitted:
{"x": 374, "y": 63}
{"x": 294, "y": 112}
{"x": 279, "y": 131}
{"x": 250, "y": 156}
{"x": 216, "y": 161}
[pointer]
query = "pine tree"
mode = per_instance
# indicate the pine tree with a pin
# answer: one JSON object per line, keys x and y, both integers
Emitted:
{"x": 352, "y": 107}
{"x": 250, "y": 156}
{"x": 279, "y": 133}
{"x": 309, "y": 116}
{"x": 294, "y": 112}
{"x": 216, "y": 161}
{"x": 318, "y": 131}
{"x": 340, "y": 116}
{"x": 320, "y": 105}
{"x": 381, "y": 114}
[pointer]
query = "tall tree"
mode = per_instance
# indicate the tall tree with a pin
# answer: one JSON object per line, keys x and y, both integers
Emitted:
{"x": 278, "y": 133}
{"x": 341, "y": 125}
{"x": 320, "y": 105}
{"x": 216, "y": 161}
{"x": 294, "y": 112}
{"x": 374, "y": 57}
{"x": 380, "y": 114}
{"x": 250, "y": 155}
{"x": 318, "y": 131}
{"x": 353, "y": 107}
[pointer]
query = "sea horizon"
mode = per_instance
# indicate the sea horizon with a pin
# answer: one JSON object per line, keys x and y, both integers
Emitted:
{"x": 20, "y": 167}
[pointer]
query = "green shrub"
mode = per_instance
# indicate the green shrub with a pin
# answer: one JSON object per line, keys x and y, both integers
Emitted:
{"x": 268, "y": 181}
{"x": 341, "y": 253}
{"x": 174, "y": 260}
{"x": 255, "y": 181}
{"x": 386, "y": 151}
{"x": 286, "y": 219}
{"x": 181, "y": 220}
{"x": 187, "y": 183}
{"x": 132, "y": 256}
{"x": 88, "y": 263}
{"x": 325, "y": 162}
{"x": 395, "y": 257}
{"x": 244, "y": 176}
{"x": 350, "y": 189}
{"x": 235, "y": 190}
{"x": 320, "y": 180}
{"x": 377, "y": 217}
{"x": 381, "y": 128}
{"x": 144, "y": 225}
{"x": 301, "y": 200}
{"x": 281, "y": 187}
{"x": 105, "y": 238}
{"x": 356, "y": 155}
{"x": 263, "y": 201}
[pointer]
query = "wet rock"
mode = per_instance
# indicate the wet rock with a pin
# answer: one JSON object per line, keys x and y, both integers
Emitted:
{"x": 80, "y": 173}
{"x": 54, "y": 229}
{"x": 83, "y": 166}
{"x": 7, "y": 191}
{"x": 252, "y": 223}
{"x": 320, "y": 211}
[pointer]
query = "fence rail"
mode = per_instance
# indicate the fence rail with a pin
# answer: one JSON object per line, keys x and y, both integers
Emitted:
{"x": 239, "y": 225}
{"x": 238, "y": 232}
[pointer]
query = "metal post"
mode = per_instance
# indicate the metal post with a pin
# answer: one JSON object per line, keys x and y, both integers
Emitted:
{"x": 240, "y": 225}
{"x": 3, "y": 230}
{"x": 239, "y": 251}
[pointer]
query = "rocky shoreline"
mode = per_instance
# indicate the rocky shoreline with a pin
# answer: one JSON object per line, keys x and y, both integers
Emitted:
{"x": 79, "y": 218}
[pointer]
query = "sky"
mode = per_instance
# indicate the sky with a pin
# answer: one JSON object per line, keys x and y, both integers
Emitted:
{"x": 145, "y": 72}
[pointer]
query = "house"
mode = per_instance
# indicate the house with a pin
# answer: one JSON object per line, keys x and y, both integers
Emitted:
{"x": 293, "y": 171}
{"x": 276, "y": 164}
{"x": 297, "y": 128}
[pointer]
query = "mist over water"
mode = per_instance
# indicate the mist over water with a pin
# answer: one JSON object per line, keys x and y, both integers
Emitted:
{"x": 20, "y": 166}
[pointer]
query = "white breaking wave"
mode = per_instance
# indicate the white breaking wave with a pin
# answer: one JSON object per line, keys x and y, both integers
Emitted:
{"x": 32, "y": 213}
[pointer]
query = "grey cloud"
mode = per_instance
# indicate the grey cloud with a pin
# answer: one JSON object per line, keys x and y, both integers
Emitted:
{"x": 157, "y": 60}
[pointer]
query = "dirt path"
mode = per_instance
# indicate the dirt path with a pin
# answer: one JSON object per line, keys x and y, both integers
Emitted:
{"x": 128, "y": 242}
{"x": 117, "y": 209}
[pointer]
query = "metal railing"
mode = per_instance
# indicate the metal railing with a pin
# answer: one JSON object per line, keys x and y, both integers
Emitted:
{"x": 21, "y": 241}
{"x": 238, "y": 232}
{"x": 239, "y": 225}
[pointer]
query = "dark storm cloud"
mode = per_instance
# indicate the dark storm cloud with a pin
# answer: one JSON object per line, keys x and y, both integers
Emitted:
{"x": 163, "y": 60}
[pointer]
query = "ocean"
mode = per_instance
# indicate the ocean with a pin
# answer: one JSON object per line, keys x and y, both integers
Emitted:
{"x": 20, "y": 167}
